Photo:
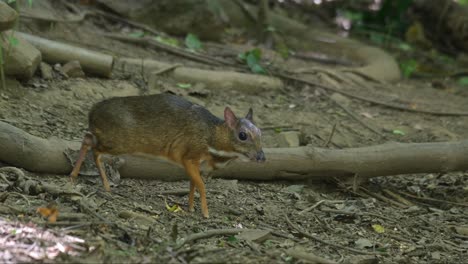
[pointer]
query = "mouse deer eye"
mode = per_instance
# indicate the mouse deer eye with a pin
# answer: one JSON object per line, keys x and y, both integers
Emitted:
{"x": 242, "y": 136}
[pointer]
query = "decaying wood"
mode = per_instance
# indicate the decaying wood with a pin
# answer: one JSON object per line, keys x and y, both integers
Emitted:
{"x": 56, "y": 52}
{"x": 47, "y": 155}
{"x": 21, "y": 58}
{"x": 8, "y": 16}
{"x": 33, "y": 153}
{"x": 225, "y": 80}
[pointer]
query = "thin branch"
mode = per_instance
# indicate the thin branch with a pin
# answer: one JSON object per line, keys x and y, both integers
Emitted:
{"x": 331, "y": 135}
{"x": 432, "y": 199}
{"x": 357, "y": 213}
{"x": 370, "y": 100}
{"x": 304, "y": 233}
{"x": 210, "y": 233}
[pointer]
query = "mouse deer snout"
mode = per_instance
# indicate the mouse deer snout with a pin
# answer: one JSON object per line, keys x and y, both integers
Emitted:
{"x": 260, "y": 157}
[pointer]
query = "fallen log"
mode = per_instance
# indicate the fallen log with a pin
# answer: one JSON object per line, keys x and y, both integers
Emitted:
{"x": 224, "y": 80}
{"x": 47, "y": 156}
{"x": 56, "y": 52}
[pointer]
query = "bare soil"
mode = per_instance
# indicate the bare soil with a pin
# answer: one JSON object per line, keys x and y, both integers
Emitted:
{"x": 133, "y": 223}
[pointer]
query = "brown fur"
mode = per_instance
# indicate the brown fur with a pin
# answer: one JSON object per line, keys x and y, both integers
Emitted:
{"x": 167, "y": 126}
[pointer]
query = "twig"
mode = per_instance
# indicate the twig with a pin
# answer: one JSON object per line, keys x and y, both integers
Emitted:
{"x": 382, "y": 198}
{"x": 4, "y": 178}
{"x": 370, "y": 100}
{"x": 128, "y": 22}
{"x": 246, "y": 11}
{"x": 75, "y": 224}
{"x": 431, "y": 199}
{"x": 81, "y": 16}
{"x": 396, "y": 237}
{"x": 279, "y": 234}
{"x": 307, "y": 256}
{"x": 22, "y": 196}
{"x": 304, "y": 233}
{"x": 331, "y": 135}
{"x": 173, "y": 50}
{"x": 210, "y": 233}
{"x": 312, "y": 207}
{"x": 19, "y": 173}
{"x": 398, "y": 197}
{"x": 357, "y": 118}
{"x": 166, "y": 69}
{"x": 357, "y": 213}
{"x": 282, "y": 128}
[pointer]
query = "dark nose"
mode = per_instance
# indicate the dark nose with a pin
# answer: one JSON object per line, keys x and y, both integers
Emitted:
{"x": 260, "y": 156}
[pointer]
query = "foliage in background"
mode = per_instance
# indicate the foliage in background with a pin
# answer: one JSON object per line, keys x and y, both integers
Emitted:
{"x": 252, "y": 58}
{"x": 192, "y": 42}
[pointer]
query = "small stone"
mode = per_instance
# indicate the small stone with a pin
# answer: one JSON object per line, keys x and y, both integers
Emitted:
{"x": 260, "y": 210}
{"x": 73, "y": 69}
{"x": 435, "y": 255}
{"x": 46, "y": 71}
{"x": 340, "y": 99}
{"x": 288, "y": 139}
{"x": 21, "y": 59}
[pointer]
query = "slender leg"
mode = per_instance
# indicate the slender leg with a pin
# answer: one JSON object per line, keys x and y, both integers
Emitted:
{"x": 193, "y": 170}
{"x": 191, "y": 196}
{"x": 85, "y": 146}
{"x": 102, "y": 172}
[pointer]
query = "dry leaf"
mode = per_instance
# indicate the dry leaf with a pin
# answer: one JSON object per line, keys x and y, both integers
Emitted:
{"x": 50, "y": 212}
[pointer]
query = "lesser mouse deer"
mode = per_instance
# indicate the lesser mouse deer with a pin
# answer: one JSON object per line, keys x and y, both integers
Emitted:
{"x": 168, "y": 126}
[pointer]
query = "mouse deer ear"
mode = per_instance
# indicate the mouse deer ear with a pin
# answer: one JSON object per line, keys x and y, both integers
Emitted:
{"x": 230, "y": 118}
{"x": 249, "y": 115}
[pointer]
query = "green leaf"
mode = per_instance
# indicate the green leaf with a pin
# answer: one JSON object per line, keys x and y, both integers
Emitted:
{"x": 377, "y": 38}
{"x": 253, "y": 63}
{"x": 398, "y": 132}
{"x": 408, "y": 67}
{"x": 168, "y": 41}
{"x": 405, "y": 47}
{"x": 30, "y": 2}
{"x": 193, "y": 42}
{"x": 137, "y": 34}
{"x": 252, "y": 58}
{"x": 256, "y": 68}
{"x": 184, "y": 85}
{"x": 13, "y": 41}
{"x": 271, "y": 29}
{"x": 463, "y": 81}
{"x": 232, "y": 239}
{"x": 355, "y": 17}
{"x": 257, "y": 53}
{"x": 11, "y": 1}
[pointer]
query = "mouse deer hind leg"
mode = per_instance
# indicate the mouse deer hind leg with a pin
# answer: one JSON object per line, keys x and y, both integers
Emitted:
{"x": 86, "y": 145}
{"x": 89, "y": 142}
{"x": 102, "y": 171}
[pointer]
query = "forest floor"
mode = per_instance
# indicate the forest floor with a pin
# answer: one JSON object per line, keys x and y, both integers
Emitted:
{"x": 426, "y": 220}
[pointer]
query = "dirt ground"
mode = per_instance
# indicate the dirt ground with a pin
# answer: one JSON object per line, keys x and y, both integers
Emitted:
{"x": 133, "y": 224}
